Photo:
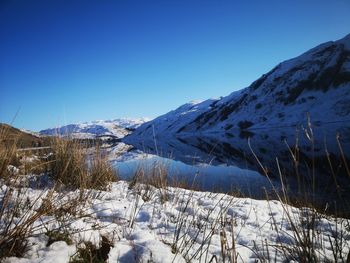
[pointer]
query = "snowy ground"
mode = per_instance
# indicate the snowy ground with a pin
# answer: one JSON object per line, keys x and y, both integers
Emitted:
{"x": 145, "y": 224}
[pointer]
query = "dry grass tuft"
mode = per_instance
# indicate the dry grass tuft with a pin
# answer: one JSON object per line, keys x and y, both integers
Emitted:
{"x": 148, "y": 176}
{"x": 69, "y": 164}
{"x": 72, "y": 166}
{"x": 8, "y": 155}
{"x": 307, "y": 243}
{"x": 101, "y": 172}
{"x": 155, "y": 174}
{"x": 87, "y": 252}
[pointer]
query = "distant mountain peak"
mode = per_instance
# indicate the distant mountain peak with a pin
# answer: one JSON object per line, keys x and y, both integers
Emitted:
{"x": 117, "y": 127}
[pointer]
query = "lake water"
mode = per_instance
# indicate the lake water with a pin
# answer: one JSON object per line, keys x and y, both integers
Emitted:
{"x": 206, "y": 177}
{"x": 229, "y": 162}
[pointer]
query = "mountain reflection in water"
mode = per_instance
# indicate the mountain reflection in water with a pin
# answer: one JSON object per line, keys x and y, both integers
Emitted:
{"x": 310, "y": 161}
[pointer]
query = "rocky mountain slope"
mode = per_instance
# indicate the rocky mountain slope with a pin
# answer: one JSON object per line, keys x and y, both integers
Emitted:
{"x": 315, "y": 84}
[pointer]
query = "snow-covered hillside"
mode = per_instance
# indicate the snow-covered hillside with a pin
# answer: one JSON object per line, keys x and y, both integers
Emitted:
{"x": 317, "y": 83}
{"x": 174, "y": 120}
{"x": 187, "y": 227}
{"x": 117, "y": 127}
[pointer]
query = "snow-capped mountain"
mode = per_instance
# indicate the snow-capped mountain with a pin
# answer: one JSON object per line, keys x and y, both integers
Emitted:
{"x": 174, "y": 120}
{"x": 315, "y": 84}
{"x": 117, "y": 128}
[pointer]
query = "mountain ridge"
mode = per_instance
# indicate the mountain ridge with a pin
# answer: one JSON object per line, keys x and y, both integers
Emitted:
{"x": 315, "y": 84}
{"x": 116, "y": 127}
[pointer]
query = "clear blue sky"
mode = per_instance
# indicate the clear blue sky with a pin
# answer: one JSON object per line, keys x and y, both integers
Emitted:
{"x": 71, "y": 61}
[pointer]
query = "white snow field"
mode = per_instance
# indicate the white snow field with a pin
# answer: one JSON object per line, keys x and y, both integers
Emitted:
{"x": 146, "y": 224}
